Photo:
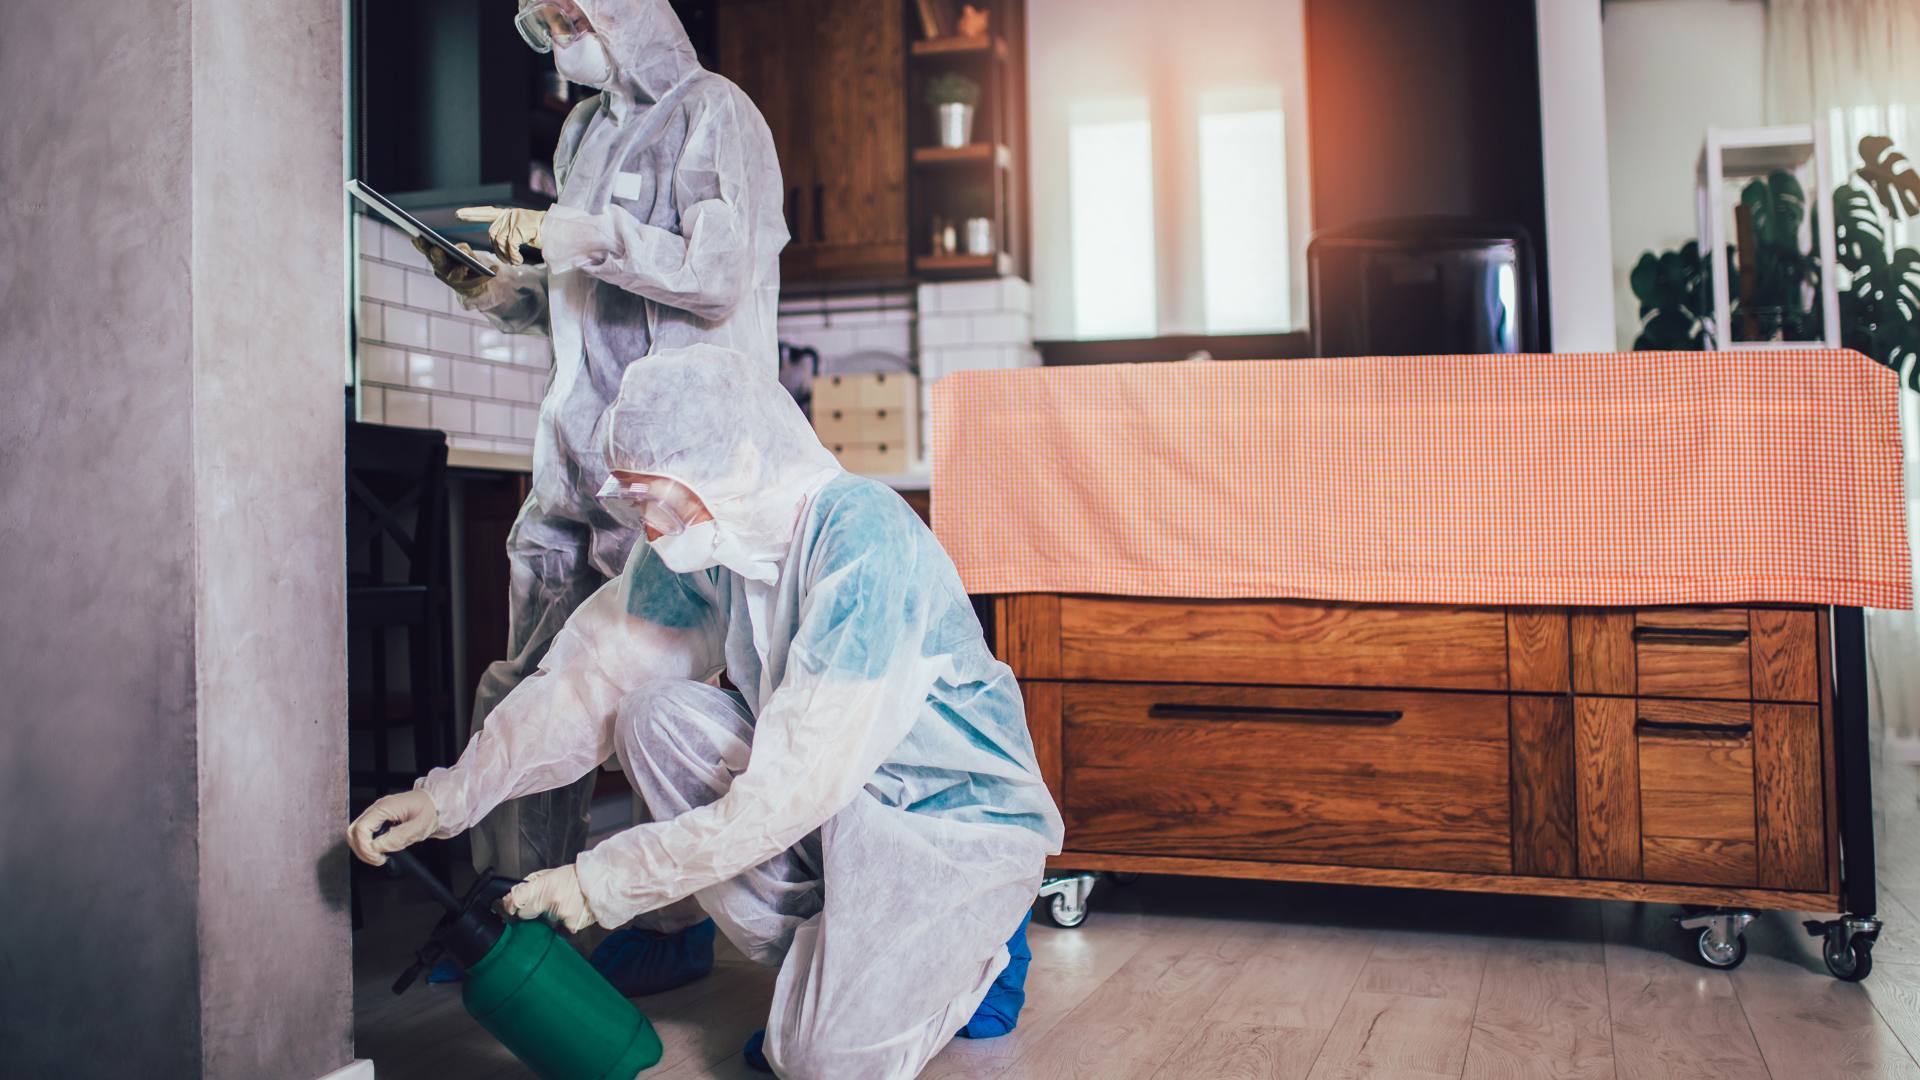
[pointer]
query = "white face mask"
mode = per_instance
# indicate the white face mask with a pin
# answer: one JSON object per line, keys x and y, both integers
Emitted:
{"x": 584, "y": 60}
{"x": 690, "y": 550}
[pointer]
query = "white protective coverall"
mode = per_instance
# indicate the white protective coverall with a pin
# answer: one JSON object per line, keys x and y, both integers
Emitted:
{"x": 667, "y": 233}
{"x": 866, "y": 811}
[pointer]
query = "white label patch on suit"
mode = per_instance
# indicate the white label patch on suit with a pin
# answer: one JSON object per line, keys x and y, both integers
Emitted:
{"x": 628, "y": 185}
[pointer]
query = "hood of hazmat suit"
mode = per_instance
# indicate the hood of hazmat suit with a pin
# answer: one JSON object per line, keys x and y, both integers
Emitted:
{"x": 667, "y": 233}
{"x": 832, "y": 608}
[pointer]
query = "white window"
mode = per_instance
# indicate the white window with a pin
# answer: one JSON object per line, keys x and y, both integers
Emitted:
{"x": 1169, "y": 167}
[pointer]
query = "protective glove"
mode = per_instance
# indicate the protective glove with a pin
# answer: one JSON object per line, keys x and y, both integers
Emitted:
{"x": 553, "y": 893}
{"x": 412, "y": 815}
{"x": 509, "y": 227}
{"x": 455, "y": 273}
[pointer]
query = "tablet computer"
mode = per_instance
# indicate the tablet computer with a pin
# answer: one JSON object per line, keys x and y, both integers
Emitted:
{"x": 411, "y": 225}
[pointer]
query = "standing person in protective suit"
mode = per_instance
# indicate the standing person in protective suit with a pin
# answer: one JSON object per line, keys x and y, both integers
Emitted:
{"x": 667, "y": 233}
{"x": 866, "y": 811}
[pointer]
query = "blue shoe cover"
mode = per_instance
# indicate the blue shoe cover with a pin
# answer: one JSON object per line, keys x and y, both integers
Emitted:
{"x": 640, "y": 962}
{"x": 446, "y": 971}
{"x": 751, "y": 1054}
{"x": 999, "y": 1011}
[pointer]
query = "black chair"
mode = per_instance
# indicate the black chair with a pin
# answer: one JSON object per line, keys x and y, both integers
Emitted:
{"x": 397, "y": 585}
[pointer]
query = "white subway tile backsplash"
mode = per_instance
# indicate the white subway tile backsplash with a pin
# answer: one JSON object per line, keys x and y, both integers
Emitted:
{"x": 1016, "y": 295}
{"x": 467, "y": 384}
{"x": 382, "y": 365}
{"x": 452, "y": 335}
{"x": 425, "y": 291}
{"x": 532, "y": 350}
{"x": 426, "y": 371}
{"x": 370, "y": 231}
{"x": 408, "y": 409}
{"x": 1002, "y": 328}
{"x": 513, "y": 384}
{"x": 383, "y": 282}
{"x": 492, "y": 418}
{"x": 371, "y": 326}
{"x": 472, "y": 377}
{"x": 398, "y": 247}
{"x": 406, "y": 328}
{"x": 491, "y": 344}
{"x": 897, "y": 338}
{"x": 952, "y": 296}
{"x": 526, "y": 421}
{"x": 936, "y": 364}
{"x": 937, "y": 331}
{"x": 452, "y": 413}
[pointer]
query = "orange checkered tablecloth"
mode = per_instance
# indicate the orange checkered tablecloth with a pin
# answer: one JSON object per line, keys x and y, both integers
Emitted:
{"x": 1638, "y": 478}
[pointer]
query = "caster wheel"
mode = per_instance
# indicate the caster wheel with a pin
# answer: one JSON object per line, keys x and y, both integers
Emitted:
{"x": 1717, "y": 955}
{"x": 1065, "y": 915}
{"x": 1848, "y": 959}
{"x": 1122, "y": 878}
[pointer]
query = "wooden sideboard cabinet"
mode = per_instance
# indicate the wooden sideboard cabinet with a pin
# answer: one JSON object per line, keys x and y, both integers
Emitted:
{"x": 1683, "y": 755}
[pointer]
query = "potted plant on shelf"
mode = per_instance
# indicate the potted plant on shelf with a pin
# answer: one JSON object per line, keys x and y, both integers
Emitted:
{"x": 1879, "y": 285}
{"x": 953, "y": 97}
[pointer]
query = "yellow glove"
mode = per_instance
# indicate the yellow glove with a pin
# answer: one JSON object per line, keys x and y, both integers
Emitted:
{"x": 452, "y": 271}
{"x": 509, "y": 227}
{"x": 412, "y": 815}
{"x": 550, "y": 893}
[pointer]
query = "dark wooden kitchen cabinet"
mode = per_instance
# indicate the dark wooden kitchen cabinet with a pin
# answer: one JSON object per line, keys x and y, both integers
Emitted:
{"x": 830, "y": 78}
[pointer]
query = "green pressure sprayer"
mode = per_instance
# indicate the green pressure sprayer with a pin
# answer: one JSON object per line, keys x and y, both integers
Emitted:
{"x": 529, "y": 988}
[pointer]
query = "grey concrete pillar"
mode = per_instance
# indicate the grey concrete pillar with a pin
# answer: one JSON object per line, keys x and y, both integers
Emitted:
{"x": 172, "y": 672}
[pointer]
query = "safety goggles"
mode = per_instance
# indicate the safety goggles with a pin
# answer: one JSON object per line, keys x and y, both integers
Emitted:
{"x": 665, "y": 506}
{"x": 551, "y": 24}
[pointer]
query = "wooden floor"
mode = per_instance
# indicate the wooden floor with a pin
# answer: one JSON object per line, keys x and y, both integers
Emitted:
{"x": 1173, "y": 978}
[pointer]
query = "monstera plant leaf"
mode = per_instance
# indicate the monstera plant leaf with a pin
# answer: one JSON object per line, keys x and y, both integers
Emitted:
{"x": 1779, "y": 206}
{"x": 1891, "y": 176}
{"x": 1860, "y": 239}
{"x": 1673, "y": 289}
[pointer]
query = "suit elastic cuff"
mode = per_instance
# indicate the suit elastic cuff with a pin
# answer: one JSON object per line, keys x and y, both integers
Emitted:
{"x": 571, "y": 238}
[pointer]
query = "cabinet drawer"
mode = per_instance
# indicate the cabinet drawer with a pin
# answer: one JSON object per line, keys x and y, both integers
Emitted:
{"x": 865, "y": 424}
{"x": 896, "y": 390}
{"x": 1693, "y": 652}
{"x": 1696, "y": 792}
{"x": 1355, "y": 778}
{"x": 1700, "y": 792}
{"x": 1282, "y": 642}
{"x": 1726, "y": 654}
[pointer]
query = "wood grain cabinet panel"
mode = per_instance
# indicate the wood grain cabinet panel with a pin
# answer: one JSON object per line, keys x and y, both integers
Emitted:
{"x": 1787, "y": 797}
{"x": 1543, "y": 787}
{"x": 1602, "y": 649}
{"x": 1296, "y": 643}
{"x": 1357, "y": 778}
{"x": 1607, "y": 770}
{"x": 1786, "y": 664}
{"x": 1693, "y": 653}
{"x": 1538, "y": 650}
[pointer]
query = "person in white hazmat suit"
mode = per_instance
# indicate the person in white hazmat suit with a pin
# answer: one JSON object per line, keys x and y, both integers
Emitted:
{"x": 866, "y": 811}
{"x": 667, "y": 233}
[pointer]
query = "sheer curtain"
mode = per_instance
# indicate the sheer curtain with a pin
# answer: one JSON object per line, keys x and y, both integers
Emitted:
{"x": 1856, "y": 64}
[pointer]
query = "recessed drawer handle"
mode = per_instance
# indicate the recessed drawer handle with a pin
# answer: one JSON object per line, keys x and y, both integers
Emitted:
{"x": 1682, "y": 729}
{"x": 1689, "y": 635}
{"x": 1362, "y": 717}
